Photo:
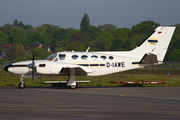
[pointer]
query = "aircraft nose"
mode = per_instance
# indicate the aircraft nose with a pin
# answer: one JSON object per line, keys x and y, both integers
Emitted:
{"x": 6, "y": 67}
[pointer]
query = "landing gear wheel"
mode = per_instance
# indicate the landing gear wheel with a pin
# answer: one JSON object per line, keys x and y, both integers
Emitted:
{"x": 21, "y": 85}
{"x": 73, "y": 86}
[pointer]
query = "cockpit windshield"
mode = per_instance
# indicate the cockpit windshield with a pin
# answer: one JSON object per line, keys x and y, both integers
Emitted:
{"x": 51, "y": 57}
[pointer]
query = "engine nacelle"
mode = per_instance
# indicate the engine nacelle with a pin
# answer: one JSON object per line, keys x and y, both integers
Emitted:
{"x": 48, "y": 68}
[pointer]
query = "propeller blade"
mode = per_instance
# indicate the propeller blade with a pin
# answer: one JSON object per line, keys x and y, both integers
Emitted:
{"x": 33, "y": 74}
{"x": 33, "y": 57}
{"x": 33, "y": 67}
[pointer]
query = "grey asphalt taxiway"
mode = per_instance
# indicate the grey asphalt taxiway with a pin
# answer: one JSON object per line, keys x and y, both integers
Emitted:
{"x": 89, "y": 103}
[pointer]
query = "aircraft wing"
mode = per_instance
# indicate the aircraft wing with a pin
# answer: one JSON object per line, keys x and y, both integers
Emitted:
{"x": 51, "y": 67}
{"x": 78, "y": 71}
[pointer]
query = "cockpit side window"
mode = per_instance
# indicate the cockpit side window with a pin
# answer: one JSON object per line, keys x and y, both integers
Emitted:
{"x": 51, "y": 57}
{"x": 56, "y": 59}
{"x": 62, "y": 56}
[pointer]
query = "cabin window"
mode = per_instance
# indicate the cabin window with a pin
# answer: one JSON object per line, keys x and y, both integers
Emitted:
{"x": 103, "y": 57}
{"x": 111, "y": 57}
{"x": 84, "y": 57}
{"x": 74, "y": 57}
{"x": 94, "y": 57}
{"x": 62, "y": 56}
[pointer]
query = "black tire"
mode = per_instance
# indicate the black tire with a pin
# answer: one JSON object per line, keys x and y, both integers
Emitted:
{"x": 21, "y": 85}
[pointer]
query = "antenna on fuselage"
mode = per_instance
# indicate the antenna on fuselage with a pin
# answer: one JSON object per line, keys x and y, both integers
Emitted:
{"x": 87, "y": 49}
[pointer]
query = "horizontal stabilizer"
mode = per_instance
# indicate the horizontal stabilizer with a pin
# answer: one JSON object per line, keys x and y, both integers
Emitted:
{"x": 148, "y": 59}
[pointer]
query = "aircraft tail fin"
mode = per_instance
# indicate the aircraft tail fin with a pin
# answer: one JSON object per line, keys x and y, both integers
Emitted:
{"x": 155, "y": 46}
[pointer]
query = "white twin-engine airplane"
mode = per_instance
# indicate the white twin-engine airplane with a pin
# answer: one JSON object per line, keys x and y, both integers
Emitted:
{"x": 150, "y": 52}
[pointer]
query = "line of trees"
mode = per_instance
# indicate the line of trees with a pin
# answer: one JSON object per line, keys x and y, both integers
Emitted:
{"x": 105, "y": 37}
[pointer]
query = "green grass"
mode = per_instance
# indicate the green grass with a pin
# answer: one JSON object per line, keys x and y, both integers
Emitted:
{"x": 146, "y": 74}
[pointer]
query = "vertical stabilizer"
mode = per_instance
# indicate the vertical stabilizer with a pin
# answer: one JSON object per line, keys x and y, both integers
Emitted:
{"x": 157, "y": 44}
{"x": 161, "y": 48}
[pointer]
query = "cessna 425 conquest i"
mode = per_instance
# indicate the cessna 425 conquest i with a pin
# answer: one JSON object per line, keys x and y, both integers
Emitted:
{"x": 151, "y": 51}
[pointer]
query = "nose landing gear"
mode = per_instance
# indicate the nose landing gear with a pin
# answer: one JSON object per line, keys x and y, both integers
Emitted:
{"x": 21, "y": 84}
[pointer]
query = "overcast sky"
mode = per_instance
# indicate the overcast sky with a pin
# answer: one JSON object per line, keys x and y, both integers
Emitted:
{"x": 68, "y": 13}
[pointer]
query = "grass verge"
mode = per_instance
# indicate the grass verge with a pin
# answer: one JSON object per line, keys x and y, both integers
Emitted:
{"x": 146, "y": 74}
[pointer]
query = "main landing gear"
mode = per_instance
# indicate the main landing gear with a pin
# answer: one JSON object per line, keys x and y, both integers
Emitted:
{"x": 21, "y": 84}
{"x": 73, "y": 86}
{"x": 72, "y": 80}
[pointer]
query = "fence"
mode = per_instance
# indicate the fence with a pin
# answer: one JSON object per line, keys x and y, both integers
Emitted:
{"x": 171, "y": 63}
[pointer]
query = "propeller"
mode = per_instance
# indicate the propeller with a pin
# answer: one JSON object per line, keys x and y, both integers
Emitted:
{"x": 32, "y": 66}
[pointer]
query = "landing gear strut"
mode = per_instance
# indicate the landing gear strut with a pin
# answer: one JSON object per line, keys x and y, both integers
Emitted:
{"x": 21, "y": 84}
{"x": 72, "y": 81}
